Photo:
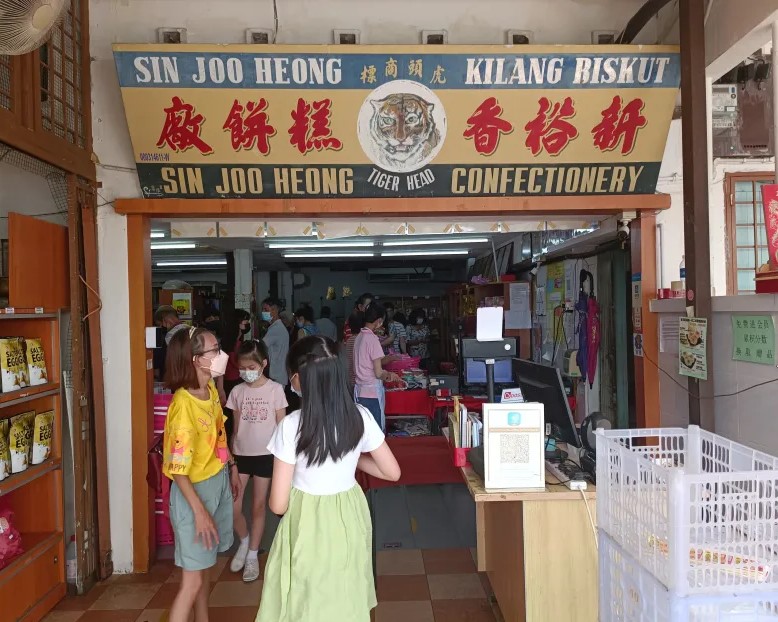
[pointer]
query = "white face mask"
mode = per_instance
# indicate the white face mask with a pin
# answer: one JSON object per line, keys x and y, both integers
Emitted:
{"x": 250, "y": 375}
{"x": 420, "y": 321}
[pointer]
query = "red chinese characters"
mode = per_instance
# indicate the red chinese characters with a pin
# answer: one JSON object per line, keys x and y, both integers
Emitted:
{"x": 248, "y": 126}
{"x": 619, "y": 125}
{"x": 485, "y": 126}
{"x": 182, "y": 128}
{"x": 311, "y": 127}
{"x": 549, "y": 129}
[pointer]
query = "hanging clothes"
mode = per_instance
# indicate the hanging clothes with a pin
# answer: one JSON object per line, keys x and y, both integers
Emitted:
{"x": 593, "y": 335}
{"x": 582, "y": 325}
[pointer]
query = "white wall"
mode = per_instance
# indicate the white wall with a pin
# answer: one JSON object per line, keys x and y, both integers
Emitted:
{"x": 300, "y": 21}
{"x": 26, "y": 193}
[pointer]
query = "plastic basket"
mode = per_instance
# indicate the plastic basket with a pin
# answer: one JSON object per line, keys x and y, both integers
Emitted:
{"x": 698, "y": 511}
{"x": 628, "y": 593}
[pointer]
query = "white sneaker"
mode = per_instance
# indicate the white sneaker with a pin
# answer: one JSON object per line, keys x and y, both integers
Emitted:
{"x": 251, "y": 571}
{"x": 239, "y": 560}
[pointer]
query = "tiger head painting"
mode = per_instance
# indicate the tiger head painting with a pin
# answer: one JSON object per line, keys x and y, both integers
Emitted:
{"x": 403, "y": 131}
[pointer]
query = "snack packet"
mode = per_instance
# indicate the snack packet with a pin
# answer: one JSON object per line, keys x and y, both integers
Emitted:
{"x": 36, "y": 362}
{"x": 21, "y": 441}
{"x": 41, "y": 441}
{"x": 13, "y": 365}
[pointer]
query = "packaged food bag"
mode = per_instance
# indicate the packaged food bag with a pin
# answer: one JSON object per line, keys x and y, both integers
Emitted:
{"x": 13, "y": 364}
{"x": 5, "y": 452}
{"x": 36, "y": 362}
{"x": 21, "y": 441}
{"x": 10, "y": 538}
{"x": 41, "y": 440}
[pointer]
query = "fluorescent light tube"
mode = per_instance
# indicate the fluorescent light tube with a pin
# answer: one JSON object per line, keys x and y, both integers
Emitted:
{"x": 304, "y": 245}
{"x": 161, "y": 246}
{"x": 192, "y": 262}
{"x": 326, "y": 255}
{"x": 424, "y": 253}
{"x": 443, "y": 240}
{"x": 157, "y": 234}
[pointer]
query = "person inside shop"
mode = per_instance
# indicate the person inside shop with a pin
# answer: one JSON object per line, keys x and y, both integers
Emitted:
{"x": 276, "y": 339}
{"x": 418, "y": 336}
{"x": 362, "y": 303}
{"x": 238, "y": 331}
{"x": 165, "y": 319}
{"x": 259, "y": 404}
{"x": 213, "y": 322}
{"x": 288, "y": 320}
{"x": 369, "y": 358}
{"x": 355, "y": 322}
{"x": 326, "y": 326}
{"x": 198, "y": 460}
{"x": 320, "y": 565}
{"x": 394, "y": 342}
{"x": 303, "y": 322}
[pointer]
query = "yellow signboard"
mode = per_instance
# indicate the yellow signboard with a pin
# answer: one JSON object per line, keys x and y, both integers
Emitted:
{"x": 252, "y": 121}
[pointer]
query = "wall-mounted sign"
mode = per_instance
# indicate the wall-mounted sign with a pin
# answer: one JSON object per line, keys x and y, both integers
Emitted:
{"x": 378, "y": 121}
{"x": 693, "y": 347}
{"x": 753, "y": 339}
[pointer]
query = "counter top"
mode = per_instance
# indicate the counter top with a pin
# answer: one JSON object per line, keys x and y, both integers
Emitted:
{"x": 553, "y": 492}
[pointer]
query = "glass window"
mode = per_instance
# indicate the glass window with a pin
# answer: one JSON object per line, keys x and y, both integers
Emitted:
{"x": 745, "y": 258}
{"x": 744, "y": 191}
{"x": 745, "y": 236}
{"x": 745, "y": 280}
{"x": 744, "y": 214}
{"x": 749, "y": 247}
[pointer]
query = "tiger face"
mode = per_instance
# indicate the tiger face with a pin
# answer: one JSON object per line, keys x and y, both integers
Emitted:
{"x": 403, "y": 129}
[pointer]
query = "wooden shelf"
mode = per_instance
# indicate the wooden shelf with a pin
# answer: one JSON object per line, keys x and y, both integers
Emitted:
{"x": 34, "y": 545}
{"x": 27, "y": 314}
{"x": 28, "y": 394}
{"x": 17, "y": 480}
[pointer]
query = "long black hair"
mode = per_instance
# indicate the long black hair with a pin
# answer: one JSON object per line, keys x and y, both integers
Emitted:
{"x": 331, "y": 425}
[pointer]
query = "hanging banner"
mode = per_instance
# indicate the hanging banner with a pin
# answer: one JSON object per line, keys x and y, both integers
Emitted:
{"x": 770, "y": 207}
{"x": 693, "y": 347}
{"x": 753, "y": 339}
{"x": 397, "y": 121}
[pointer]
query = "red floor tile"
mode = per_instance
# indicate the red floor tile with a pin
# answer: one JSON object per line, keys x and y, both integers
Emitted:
{"x": 448, "y": 561}
{"x": 403, "y": 587}
{"x": 462, "y": 611}
{"x": 81, "y": 603}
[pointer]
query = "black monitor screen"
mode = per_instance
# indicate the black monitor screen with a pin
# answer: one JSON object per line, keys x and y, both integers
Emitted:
{"x": 542, "y": 383}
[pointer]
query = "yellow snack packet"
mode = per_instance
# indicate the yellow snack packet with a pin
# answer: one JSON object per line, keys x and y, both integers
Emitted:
{"x": 41, "y": 441}
{"x": 20, "y": 440}
{"x": 36, "y": 362}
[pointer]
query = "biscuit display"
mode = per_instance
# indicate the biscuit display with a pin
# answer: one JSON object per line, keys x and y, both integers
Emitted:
{"x": 41, "y": 440}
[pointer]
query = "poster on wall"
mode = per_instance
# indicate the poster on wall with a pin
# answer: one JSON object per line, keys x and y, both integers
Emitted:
{"x": 231, "y": 121}
{"x": 182, "y": 303}
{"x": 555, "y": 291}
{"x": 693, "y": 347}
{"x": 753, "y": 339}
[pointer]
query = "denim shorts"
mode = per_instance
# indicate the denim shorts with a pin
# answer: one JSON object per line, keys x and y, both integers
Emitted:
{"x": 216, "y": 495}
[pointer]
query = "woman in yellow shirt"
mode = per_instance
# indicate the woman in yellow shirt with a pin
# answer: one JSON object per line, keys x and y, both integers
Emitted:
{"x": 195, "y": 455}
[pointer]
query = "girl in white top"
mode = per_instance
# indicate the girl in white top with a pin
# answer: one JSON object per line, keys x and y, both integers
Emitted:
{"x": 258, "y": 404}
{"x": 320, "y": 564}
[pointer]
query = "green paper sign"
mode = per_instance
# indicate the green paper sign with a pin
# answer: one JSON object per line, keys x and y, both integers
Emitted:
{"x": 753, "y": 339}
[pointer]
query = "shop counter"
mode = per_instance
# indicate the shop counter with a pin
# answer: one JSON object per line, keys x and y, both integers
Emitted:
{"x": 411, "y": 402}
{"x": 538, "y": 550}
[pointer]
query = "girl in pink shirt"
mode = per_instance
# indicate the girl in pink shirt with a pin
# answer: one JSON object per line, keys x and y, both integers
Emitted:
{"x": 258, "y": 404}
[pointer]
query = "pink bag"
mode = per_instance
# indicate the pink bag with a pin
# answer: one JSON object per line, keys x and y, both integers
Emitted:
{"x": 10, "y": 539}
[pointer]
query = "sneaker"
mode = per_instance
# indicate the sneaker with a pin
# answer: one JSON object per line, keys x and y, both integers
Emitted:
{"x": 239, "y": 560}
{"x": 251, "y": 571}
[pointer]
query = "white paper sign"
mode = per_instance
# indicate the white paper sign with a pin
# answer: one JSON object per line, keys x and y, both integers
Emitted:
{"x": 489, "y": 324}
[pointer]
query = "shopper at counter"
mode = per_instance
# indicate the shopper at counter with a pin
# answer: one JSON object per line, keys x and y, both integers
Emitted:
{"x": 368, "y": 365}
{"x": 354, "y": 323}
{"x": 418, "y": 333}
{"x": 304, "y": 324}
{"x": 277, "y": 340}
{"x": 326, "y": 326}
{"x": 362, "y": 303}
{"x": 396, "y": 341}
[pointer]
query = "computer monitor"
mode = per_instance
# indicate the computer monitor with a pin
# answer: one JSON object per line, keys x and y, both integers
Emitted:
{"x": 542, "y": 383}
{"x": 475, "y": 371}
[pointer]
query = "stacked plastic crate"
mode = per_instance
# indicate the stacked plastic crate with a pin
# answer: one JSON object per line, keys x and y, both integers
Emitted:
{"x": 162, "y": 497}
{"x": 688, "y": 527}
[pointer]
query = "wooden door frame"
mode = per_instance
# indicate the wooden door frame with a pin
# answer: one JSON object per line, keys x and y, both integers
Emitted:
{"x": 139, "y": 213}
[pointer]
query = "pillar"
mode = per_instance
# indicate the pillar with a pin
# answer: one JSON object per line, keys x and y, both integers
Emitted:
{"x": 244, "y": 283}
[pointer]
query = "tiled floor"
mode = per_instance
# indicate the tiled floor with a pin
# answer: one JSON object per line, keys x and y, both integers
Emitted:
{"x": 437, "y": 585}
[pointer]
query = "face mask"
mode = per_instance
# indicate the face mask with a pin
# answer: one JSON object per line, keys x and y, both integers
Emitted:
{"x": 218, "y": 364}
{"x": 297, "y": 392}
{"x": 250, "y": 375}
{"x": 266, "y": 316}
{"x": 299, "y": 324}
{"x": 420, "y": 321}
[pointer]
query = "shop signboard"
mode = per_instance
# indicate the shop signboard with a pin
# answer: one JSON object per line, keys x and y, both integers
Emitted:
{"x": 240, "y": 121}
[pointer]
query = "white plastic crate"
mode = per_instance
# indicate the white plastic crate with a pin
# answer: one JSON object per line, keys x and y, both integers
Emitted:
{"x": 698, "y": 511}
{"x": 629, "y": 593}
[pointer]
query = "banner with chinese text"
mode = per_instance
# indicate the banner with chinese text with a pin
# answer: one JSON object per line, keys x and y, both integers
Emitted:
{"x": 389, "y": 121}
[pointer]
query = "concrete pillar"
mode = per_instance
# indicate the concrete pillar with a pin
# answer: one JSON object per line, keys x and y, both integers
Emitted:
{"x": 244, "y": 283}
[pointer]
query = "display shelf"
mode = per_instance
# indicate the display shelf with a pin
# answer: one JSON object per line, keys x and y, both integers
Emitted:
{"x": 17, "y": 480}
{"x": 34, "y": 544}
{"x": 28, "y": 394}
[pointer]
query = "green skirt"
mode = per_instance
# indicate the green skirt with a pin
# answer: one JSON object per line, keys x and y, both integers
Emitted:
{"x": 320, "y": 567}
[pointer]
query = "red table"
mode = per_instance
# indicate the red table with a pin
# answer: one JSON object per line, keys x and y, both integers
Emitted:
{"x": 413, "y": 402}
{"x": 422, "y": 460}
